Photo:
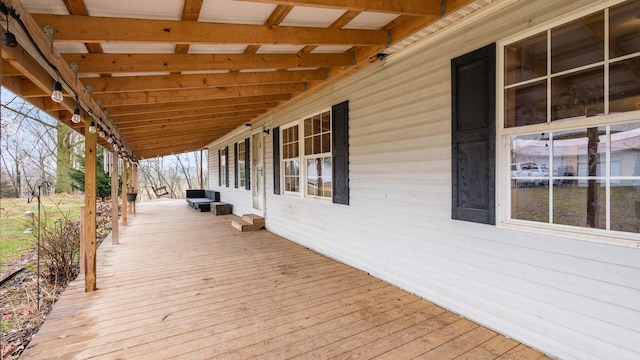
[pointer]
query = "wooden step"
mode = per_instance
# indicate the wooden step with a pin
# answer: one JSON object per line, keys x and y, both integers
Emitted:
{"x": 248, "y": 222}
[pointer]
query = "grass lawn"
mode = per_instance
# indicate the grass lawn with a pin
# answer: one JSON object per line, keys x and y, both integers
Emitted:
{"x": 14, "y": 243}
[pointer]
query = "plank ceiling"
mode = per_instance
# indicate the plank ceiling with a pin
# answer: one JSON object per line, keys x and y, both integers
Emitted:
{"x": 174, "y": 75}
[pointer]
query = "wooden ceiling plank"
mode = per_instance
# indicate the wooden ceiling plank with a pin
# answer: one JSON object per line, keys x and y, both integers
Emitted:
{"x": 209, "y": 103}
{"x": 195, "y": 124}
{"x": 155, "y": 97}
{"x": 123, "y": 63}
{"x": 94, "y": 29}
{"x": 187, "y": 113}
{"x": 404, "y": 7}
{"x": 169, "y": 82}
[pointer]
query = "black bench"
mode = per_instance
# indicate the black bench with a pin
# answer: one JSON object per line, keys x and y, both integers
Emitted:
{"x": 201, "y": 199}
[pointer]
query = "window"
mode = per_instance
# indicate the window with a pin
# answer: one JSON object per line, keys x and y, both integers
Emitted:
{"x": 570, "y": 122}
{"x": 317, "y": 154}
{"x": 242, "y": 174}
{"x": 316, "y": 149}
{"x": 223, "y": 167}
{"x": 291, "y": 159}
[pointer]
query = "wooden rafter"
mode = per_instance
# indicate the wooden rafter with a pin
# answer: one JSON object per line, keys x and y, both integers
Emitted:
{"x": 175, "y": 81}
{"x": 157, "y": 97}
{"x": 94, "y": 29}
{"x": 405, "y": 7}
{"x": 123, "y": 63}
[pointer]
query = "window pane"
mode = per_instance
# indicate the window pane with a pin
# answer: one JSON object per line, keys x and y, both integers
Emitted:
{"x": 308, "y": 127}
{"x": 312, "y": 177}
{"x": 317, "y": 144}
{"x": 530, "y": 156}
{"x": 326, "y": 176}
{"x": 326, "y": 121}
{"x": 526, "y": 104}
{"x": 578, "y": 94}
{"x": 526, "y": 59}
{"x": 625, "y": 200}
{"x": 578, "y": 43}
{"x": 624, "y": 38}
{"x": 529, "y": 202}
{"x": 580, "y": 152}
{"x": 625, "y": 150}
{"x": 583, "y": 204}
{"x": 624, "y": 85}
{"x": 326, "y": 142}
{"x": 316, "y": 124}
{"x": 308, "y": 146}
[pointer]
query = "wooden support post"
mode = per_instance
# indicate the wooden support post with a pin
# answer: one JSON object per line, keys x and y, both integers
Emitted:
{"x": 115, "y": 235}
{"x": 134, "y": 178}
{"x": 201, "y": 176}
{"x": 124, "y": 192}
{"x": 90, "y": 187}
{"x": 83, "y": 236}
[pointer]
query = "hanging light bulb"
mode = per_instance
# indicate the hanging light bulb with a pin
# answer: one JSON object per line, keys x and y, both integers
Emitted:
{"x": 110, "y": 139}
{"x": 92, "y": 127}
{"x": 101, "y": 133}
{"x": 76, "y": 118}
{"x": 57, "y": 92}
{"x": 8, "y": 37}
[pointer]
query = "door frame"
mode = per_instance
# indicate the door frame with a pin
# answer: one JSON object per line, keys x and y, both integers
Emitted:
{"x": 257, "y": 157}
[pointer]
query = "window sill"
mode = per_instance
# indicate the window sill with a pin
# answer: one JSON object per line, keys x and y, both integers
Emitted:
{"x": 586, "y": 234}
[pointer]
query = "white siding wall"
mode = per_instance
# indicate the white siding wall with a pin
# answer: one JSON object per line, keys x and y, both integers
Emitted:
{"x": 570, "y": 298}
{"x": 239, "y": 197}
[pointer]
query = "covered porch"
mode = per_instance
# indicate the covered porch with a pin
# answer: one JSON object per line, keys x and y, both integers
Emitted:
{"x": 184, "y": 284}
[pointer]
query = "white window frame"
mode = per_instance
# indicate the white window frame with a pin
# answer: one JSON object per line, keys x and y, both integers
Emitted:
{"x": 503, "y": 145}
{"x": 242, "y": 175}
{"x": 224, "y": 165}
{"x": 283, "y": 160}
{"x": 305, "y": 157}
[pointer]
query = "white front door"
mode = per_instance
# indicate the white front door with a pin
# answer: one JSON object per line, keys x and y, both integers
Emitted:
{"x": 257, "y": 171}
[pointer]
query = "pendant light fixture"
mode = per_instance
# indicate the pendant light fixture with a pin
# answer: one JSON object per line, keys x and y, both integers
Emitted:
{"x": 57, "y": 92}
{"x": 8, "y": 37}
{"x": 92, "y": 127}
{"x": 76, "y": 118}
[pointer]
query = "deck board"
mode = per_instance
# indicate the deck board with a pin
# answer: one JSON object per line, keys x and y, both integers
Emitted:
{"x": 186, "y": 285}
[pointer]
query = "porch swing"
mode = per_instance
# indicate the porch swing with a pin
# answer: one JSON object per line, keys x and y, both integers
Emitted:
{"x": 160, "y": 190}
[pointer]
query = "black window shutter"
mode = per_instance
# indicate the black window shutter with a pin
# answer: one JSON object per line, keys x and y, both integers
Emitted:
{"x": 340, "y": 155}
{"x": 235, "y": 170}
{"x": 226, "y": 168}
{"x": 219, "y": 167}
{"x": 247, "y": 165}
{"x": 276, "y": 160}
{"x": 473, "y": 89}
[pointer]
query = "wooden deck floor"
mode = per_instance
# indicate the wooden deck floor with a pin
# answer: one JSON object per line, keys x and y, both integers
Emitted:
{"x": 186, "y": 285}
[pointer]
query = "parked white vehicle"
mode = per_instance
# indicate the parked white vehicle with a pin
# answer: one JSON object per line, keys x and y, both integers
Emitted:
{"x": 530, "y": 174}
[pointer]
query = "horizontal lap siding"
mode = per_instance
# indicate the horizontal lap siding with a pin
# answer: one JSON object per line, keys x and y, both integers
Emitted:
{"x": 571, "y": 298}
{"x": 239, "y": 197}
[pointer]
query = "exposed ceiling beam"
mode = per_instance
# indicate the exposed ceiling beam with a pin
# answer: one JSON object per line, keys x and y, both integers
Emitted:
{"x": 156, "y": 97}
{"x": 175, "y": 81}
{"x": 194, "y": 125}
{"x": 93, "y": 29}
{"x": 208, "y": 103}
{"x": 123, "y": 63}
{"x": 404, "y": 7}
{"x": 78, "y": 7}
{"x": 122, "y": 121}
{"x": 190, "y": 12}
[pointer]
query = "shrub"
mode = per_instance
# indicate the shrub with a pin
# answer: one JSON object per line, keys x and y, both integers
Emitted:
{"x": 60, "y": 250}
